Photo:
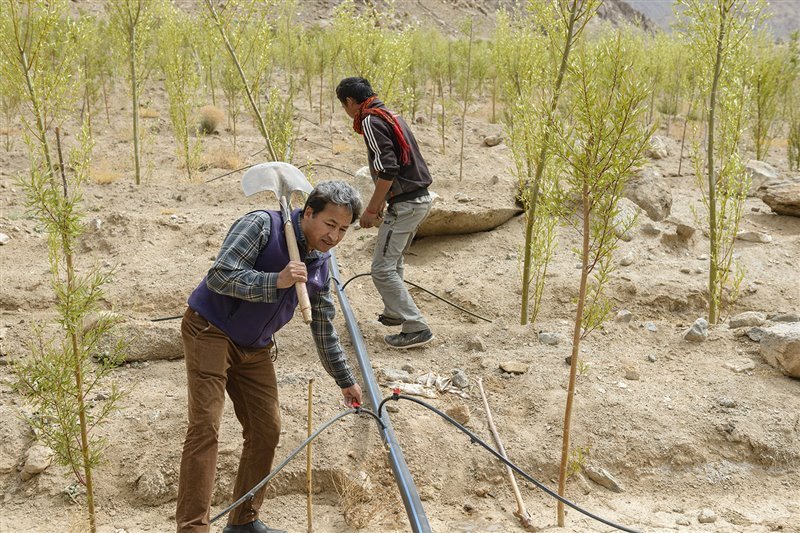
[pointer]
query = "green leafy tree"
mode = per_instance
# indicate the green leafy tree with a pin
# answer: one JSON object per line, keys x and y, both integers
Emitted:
{"x": 246, "y": 39}
{"x": 60, "y": 375}
{"x": 465, "y": 90}
{"x": 717, "y": 36}
{"x": 792, "y": 102}
{"x": 768, "y": 82}
{"x": 601, "y": 148}
{"x": 182, "y": 82}
{"x": 133, "y": 24}
{"x": 368, "y": 51}
{"x": 562, "y": 22}
{"x": 36, "y": 43}
{"x": 415, "y": 80}
{"x": 206, "y": 50}
{"x": 97, "y": 65}
{"x": 520, "y": 56}
{"x": 40, "y": 55}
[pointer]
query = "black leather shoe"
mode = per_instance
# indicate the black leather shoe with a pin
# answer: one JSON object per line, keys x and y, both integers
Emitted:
{"x": 256, "y": 526}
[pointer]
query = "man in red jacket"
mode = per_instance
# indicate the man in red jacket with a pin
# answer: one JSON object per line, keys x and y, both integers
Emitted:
{"x": 401, "y": 180}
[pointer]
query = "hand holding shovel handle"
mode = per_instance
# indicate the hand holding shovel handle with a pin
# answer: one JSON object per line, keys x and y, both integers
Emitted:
{"x": 294, "y": 255}
{"x": 282, "y": 179}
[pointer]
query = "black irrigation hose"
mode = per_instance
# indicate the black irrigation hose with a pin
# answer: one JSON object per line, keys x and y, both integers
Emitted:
{"x": 445, "y": 300}
{"x": 162, "y": 319}
{"x": 251, "y": 493}
{"x": 231, "y": 172}
{"x": 475, "y": 439}
{"x": 327, "y": 166}
{"x": 301, "y": 166}
{"x": 423, "y": 289}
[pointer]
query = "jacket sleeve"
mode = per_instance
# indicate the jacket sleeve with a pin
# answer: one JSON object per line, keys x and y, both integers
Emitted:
{"x": 380, "y": 142}
{"x": 329, "y": 349}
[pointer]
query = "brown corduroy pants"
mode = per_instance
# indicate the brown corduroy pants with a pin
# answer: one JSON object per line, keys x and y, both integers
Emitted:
{"x": 215, "y": 364}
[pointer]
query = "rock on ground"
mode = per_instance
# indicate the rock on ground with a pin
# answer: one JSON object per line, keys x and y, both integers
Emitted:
{"x": 648, "y": 191}
{"x": 748, "y": 318}
{"x": 37, "y": 460}
{"x": 146, "y": 341}
{"x": 760, "y": 173}
{"x": 152, "y": 488}
{"x": 625, "y": 219}
{"x": 782, "y": 196}
{"x": 658, "y": 148}
{"x": 698, "y": 332}
{"x": 603, "y": 478}
{"x": 780, "y": 347}
{"x": 754, "y": 236}
{"x": 460, "y": 218}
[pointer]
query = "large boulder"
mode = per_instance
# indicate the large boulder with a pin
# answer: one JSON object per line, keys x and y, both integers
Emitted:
{"x": 456, "y": 218}
{"x": 364, "y": 184}
{"x": 143, "y": 340}
{"x": 780, "y": 347}
{"x": 782, "y": 196}
{"x": 759, "y": 173}
{"x": 457, "y": 215}
{"x": 647, "y": 190}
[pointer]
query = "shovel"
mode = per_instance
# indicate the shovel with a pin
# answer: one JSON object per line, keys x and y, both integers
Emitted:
{"x": 282, "y": 179}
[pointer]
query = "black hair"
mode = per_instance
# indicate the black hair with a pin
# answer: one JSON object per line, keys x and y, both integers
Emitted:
{"x": 334, "y": 192}
{"x": 356, "y": 88}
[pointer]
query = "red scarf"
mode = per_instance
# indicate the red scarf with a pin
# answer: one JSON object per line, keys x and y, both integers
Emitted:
{"x": 365, "y": 110}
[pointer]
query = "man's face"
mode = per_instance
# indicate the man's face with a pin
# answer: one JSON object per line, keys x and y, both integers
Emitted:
{"x": 325, "y": 229}
{"x": 350, "y": 107}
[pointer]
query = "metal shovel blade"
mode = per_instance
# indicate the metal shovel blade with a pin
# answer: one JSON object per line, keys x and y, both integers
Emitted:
{"x": 281, "y": 178}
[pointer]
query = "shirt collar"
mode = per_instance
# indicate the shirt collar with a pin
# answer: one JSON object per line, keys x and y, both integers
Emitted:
{"x": 301, "y": 238}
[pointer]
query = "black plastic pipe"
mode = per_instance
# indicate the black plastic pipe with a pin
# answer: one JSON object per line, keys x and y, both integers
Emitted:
{"x": 405, "y": 483}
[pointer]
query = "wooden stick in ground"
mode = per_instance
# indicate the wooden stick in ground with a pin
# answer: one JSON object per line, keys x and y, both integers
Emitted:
{"x": 521, "y": 513}
{"x": 309, "y": 493}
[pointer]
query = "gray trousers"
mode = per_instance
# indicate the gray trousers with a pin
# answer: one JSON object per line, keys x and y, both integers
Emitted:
{"x": 394, "y": 238}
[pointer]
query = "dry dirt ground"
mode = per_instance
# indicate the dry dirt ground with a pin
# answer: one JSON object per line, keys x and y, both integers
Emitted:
{"x": 689, "y": 434}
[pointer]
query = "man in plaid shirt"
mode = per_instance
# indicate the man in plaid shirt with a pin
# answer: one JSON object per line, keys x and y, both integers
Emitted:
{"x": 227, "y": 330}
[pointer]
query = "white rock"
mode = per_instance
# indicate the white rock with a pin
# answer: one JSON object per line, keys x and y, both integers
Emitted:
{"x": 603, "y": 478}
{"x": 754, "y": 236}
{"x": 37, "y": 460}
{"x": 492, "y": 140}
{"x": 760, "y": 173}
{"x": 748, "y": 318}
{"x": 648, "y": 191}
{"x": 706, "y": 516}
{"x": 476, "y": 344}
{"x": 4, "y": 239}
{"x": 780, "y": 347}
{"x": 551, "y": 339}
{"x": 625, "y": 219}
{"x": 698, "y": 332}
{"x": 152, "y": 488}
{"x": 657, "y": 149}
{"x": 514, "y": 367}
{"x": 782, "y": 196}
{"x": 624, "y": 317}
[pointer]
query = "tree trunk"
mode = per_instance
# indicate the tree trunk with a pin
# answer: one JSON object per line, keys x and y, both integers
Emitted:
{"x": 573, "y": 367}
{"x": 713, "y": 303}
{"x": 135, "y": 96}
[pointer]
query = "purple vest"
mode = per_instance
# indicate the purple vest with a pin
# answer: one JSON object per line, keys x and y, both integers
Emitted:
{"x": 252, "y": 324}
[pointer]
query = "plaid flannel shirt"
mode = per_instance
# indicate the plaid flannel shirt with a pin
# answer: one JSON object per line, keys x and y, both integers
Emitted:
{"x": 232, "y": 274}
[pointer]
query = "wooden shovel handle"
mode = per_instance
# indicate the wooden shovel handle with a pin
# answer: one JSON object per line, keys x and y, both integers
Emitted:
{"x": 294, "y": 255}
